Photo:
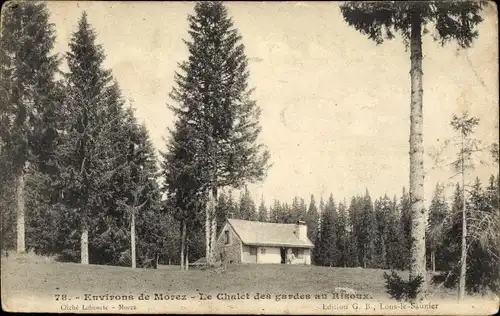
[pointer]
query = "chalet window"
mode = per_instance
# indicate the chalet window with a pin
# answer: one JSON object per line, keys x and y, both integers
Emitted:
{"x": 227, "y": 240}
{"x": 263, "y": 251}
{"x": 253, "y": 251}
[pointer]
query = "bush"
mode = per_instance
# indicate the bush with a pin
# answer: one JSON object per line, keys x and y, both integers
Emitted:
{"x": 399, "y": 289}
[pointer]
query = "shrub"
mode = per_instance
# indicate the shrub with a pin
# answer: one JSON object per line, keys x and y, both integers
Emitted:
{"x": 399, "y": 289}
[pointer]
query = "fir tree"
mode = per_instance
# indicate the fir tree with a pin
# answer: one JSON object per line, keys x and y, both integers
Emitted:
{"x": 382, "y": 208}
{"x": 326, "y": 252}
{"x": 247, "y": 206}
{"x": 212, "y": 96}
{"x": 275, "y": 211}
{"x": 312, "y": 219}
{"x": 369, "y": 232}
{"x": 183, "y": 182}
{"x": 29, "y": 98}
{"x": 87, "y": 151}
{"x": 262, "y": 213}
{"x": 222, "y": 211}
{"x": 341, "y": 228}
{"x": 396, "y": 242}
{"x": 285, "y": 214}
{"x": 380, "y": 21}
{"x": 438, "y": 211}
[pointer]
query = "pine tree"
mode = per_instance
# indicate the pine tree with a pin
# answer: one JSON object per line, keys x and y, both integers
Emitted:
{"x": 382, "y": 208}
{"x": 438, "y": 211}
{"x": 355, "y": 221}
{"x": 484, "y": 272}
{"x": 364, "y": 228}
{"x": 395, "y": 242}
{"x": 275, "y": 211}
{"x": 320, "y": 213}
{"x": 326, "y": 252}
{"x": 302, "y": 210}
{"x": 87, "y": 152}
{"x": 295, "y": 210}
{"x": 29, "y": 97}
{"x": 482, "y": 254}
{"x": 212, "y": 96}
{"x": 247, "y": 206}
{"x": 369, "y": 232}
{"x": 232, "y": 206}
{"x": 285, "y": 214}
{"x": 262, "y": 215}
{"x": 183, "y": 181}
{"x": 452, "y": 21}
{"x": 464, "y": 126}
{"x": 312, "y": 220}
{"x": 222, "y": 210}
{"x": 143, "y": 194}
{"x": 341, "y": 228}
{"x": 481, "y": 265}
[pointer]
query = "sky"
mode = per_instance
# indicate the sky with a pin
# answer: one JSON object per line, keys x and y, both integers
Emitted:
{"x": 335, "y": 106}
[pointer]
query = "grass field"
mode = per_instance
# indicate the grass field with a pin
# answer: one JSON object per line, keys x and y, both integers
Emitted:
{"x": 32, "y": 275}
{"x": 32, "y": 283}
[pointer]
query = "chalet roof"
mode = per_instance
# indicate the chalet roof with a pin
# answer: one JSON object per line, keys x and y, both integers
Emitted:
{"x": 268, "y": 234}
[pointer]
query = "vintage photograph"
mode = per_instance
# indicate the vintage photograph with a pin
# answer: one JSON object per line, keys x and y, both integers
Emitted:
{"x": 217, "y": 157}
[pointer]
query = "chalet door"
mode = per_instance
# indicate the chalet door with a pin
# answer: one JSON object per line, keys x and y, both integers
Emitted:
{"x": 253, "y": 254}
{"x": 283, "y": 255}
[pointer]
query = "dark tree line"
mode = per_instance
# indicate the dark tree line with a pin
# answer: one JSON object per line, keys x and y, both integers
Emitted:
{"x": 377, "y": 234}
{"x": 79, "y": 174}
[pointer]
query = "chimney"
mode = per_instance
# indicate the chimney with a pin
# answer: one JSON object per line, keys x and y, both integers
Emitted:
{"x": 301, "y": 230}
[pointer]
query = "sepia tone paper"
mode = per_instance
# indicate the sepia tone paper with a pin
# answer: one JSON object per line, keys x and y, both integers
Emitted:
{"x": 335, "y": 118}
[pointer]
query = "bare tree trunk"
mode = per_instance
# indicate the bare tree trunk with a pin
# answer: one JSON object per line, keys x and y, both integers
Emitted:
{"x": 132, "y": 238}
{"x": 213, "y": 235}
{"x": 187, "y": 257}
{"x": 210, "y": 225}
{"x": 21, "y": 246}
{"x": 207, "y": 229}
{"x": 418, "y": 222}
{"x": 183, "y": 242}
{"x": 463, "y": 259}
{"x": 433, "y": 260}
{"x": 84, "y": 245}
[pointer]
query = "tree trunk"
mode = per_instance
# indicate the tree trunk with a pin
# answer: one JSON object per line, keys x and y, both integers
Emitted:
{"x": 433, "y": 260}
{"x": 463, "y": 259}
{"x": 418, "y": 223}
{"x": 183, "y": 242}
{"x": 211, "y": 225}
{"x": 213, "y": 235}
{"x": 21, "y": 246}
{"x": 84, "y": 245}
{"x": 187, "y": 257}
{"x": 132, "y": 239}
{"x": 207, "y": 228}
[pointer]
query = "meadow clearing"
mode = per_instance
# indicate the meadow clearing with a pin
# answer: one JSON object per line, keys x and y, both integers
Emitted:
{"x": 28, "y": 280}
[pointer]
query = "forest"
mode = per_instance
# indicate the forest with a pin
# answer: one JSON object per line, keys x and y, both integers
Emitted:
{"x": 81, "y": 180}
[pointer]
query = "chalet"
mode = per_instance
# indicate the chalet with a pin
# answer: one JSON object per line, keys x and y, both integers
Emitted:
{"x": 242, "y": 241}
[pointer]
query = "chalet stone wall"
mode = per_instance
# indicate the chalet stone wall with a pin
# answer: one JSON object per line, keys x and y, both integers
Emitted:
{"x": 232, "y": 251}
